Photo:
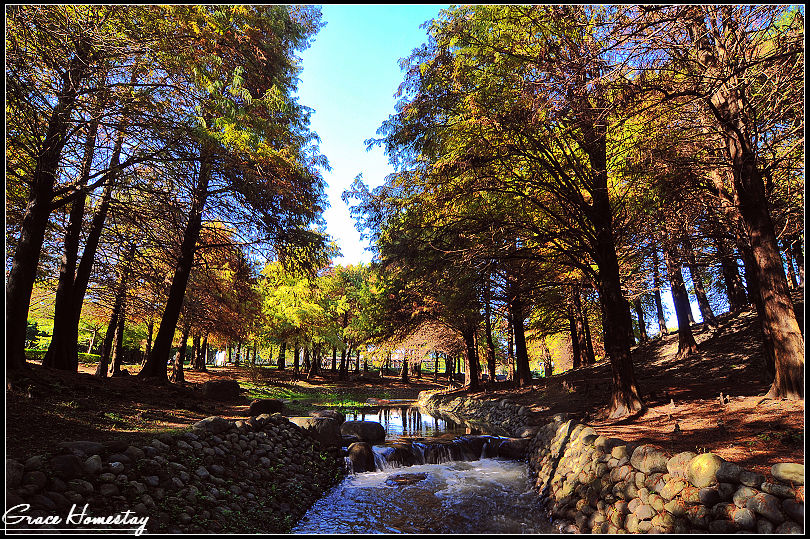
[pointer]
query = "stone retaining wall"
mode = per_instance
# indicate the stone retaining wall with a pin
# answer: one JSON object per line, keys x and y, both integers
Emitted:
{"x": 605, "y": 485}
{"x": 498, "y": 416}
{"x": 258, "y": 475}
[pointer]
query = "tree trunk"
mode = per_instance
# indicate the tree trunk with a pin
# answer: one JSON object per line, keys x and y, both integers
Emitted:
{"x": 403, "y": 375}
{"x": 798, "y": 255}
{"x": 118, "y": 350}
{"x": 522, "y": 370}
{"x": 697, "y": 281}
{"x": 202, "y": 356}
{"x": 107, "y": 343}
{"x": 548, "y": 367}
{"x": 657, "y": 282}
{"x": 296, "y": 356}
{"x": 642, "y": 324}
{"x": 789, "y": 259}
{"x": 680, "y": 298}
{"x": 281, "y": 353}
{"x": 470, "y": 361}
{"x": 576, "y": 353}
{"x": 118, "y": 312}
{"x": 735, "y": 289}
{"x": 510, "y": 356}
{"x": 23, "y": 271}
{"x": 58, "y": 355}
{"x": 488, "y": 334}
{"x": 177, "y": 374}
{"x": 155, "y": 367}
{"x": 780, "y": 327}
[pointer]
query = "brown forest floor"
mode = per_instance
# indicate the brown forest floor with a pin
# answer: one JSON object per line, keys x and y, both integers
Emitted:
{"x": 45, "y": 407}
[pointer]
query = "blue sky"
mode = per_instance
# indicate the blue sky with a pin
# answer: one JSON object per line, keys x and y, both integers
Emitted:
{"x": 350, "y": 76}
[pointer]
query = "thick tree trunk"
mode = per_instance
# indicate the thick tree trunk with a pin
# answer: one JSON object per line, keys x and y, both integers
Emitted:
{"x": 59, "y": 352}
{"x": 202, "y": 355}
{"x": 155, "y": 367}
{"x": 522, "y": 370}
{"x": 697, "y": 281}
{"x": 625, "y": 398}
{"x": 728, "y": 104}
{"x": 296, "y": 358}
{"x": 21, "y": 276}
{"x": 680, "y": 298}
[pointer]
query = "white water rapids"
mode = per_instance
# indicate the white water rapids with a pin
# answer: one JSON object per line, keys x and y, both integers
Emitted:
{"x": 489, "y": 495}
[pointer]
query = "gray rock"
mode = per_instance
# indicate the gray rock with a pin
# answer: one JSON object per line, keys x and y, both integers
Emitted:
{"x": 108, "y": 489}
{"x": 93, "y": 465}
{"x": 35, "y": 477}
{"x": 768, "y": 506}
{"x": 751, "y": 479}
{"x": 14, "y": 473}
{"x": 83, "y": 448}
{"x": 744, "y": 518}
{"x": 778, "y": 489}
{"x": 794, "y": 509}
{"x": 202, "y": 473}
{"x": 368, "y": 431}
{"x": 789, "y": 527}
{"x": 676, "y": 466}
{"x": 37, "y": 462}
{"x": 214, "y": 425}
{"x": 729, "y": 472}
{"x": 742, "y": 495}
{"x": 67, "y": 466}
{"x": 788, "y": 472}
{"x": 649, "y": 459}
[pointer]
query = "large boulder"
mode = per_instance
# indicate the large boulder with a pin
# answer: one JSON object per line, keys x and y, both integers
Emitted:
{"x": 265, "y": 406}
{"x": 221, "y": 390}
{"x": 361, "y": 455}
{"x": 702, "y": 470}
{"x": 368, "y": 431}
{"x": 324, "y": 429}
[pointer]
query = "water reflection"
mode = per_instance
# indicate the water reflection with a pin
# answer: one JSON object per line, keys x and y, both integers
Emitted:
{"x": 409, "y": 421}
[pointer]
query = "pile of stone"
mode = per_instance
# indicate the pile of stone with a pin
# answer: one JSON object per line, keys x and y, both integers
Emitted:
{"x": 256, "y": 475}
{"x": 605, "y": 485}
{"x": 496, "y": 415}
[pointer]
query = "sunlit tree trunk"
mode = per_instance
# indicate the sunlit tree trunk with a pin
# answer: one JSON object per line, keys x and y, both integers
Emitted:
{"x": 680, "y": 298}
{"x": 697, "y": 281}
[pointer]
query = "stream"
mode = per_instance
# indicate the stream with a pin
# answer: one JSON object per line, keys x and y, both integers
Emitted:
{"x": 465, "y": 491}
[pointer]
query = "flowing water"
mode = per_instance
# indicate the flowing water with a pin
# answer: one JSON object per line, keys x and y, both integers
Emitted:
{"x": 476, "y": 495}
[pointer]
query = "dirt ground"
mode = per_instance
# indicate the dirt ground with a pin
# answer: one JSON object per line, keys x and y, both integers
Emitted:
{"x": 44, "y": 406}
